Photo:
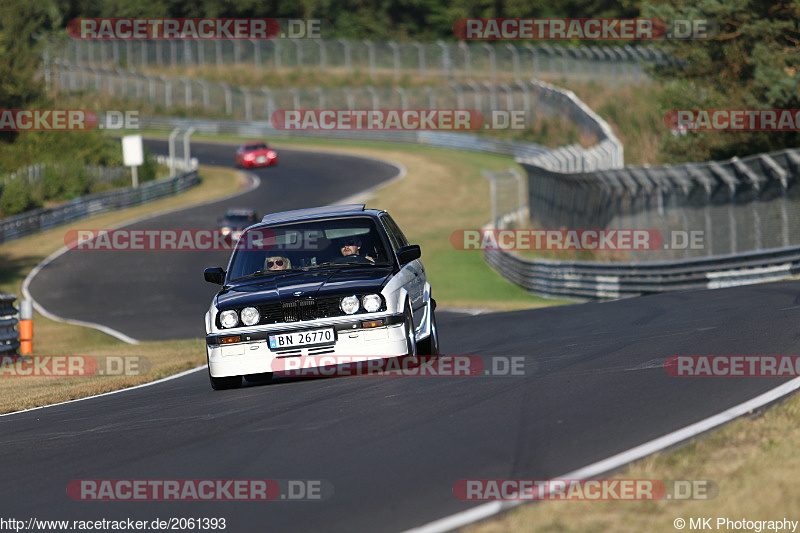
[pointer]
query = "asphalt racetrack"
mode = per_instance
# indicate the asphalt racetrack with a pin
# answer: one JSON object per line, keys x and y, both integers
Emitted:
{"x": 158, "y": 295}
{"x": 389, "y": 450}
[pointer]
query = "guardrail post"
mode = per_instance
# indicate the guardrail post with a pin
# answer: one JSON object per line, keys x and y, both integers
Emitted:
{"x": 446, "y": 63}
{"x": 276, "y": 51}
{"x": 395, "y": 57}
{"x": 371, "y": 57}
{"x": 172, "y": 137}
{"x": 492, "y": 60}
{"x": 420, "y": 59}
{"x": 348, "y": 63}
{"x": 467, "y": 58}
{"x": 323, "y": 55}
{"x": 187, "y": 149}
{"x": 492, "y": 195}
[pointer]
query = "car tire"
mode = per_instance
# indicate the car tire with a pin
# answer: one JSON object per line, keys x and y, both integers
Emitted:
{"x": 411, "y": 339}
{"x": 430, "y": 346}
{"x": 258, "y": 378}
{"x": 228, "y": 382}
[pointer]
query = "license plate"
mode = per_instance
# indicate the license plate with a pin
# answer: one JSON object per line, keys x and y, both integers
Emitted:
{"x": 301, "y": 338}
{"x": 261, "y": 159}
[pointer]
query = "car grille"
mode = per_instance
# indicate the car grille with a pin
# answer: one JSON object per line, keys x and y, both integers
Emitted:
{"x": 299, "y": 310}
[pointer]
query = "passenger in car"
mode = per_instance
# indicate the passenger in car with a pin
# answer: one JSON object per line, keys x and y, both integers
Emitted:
{"x": 277, "y": 262}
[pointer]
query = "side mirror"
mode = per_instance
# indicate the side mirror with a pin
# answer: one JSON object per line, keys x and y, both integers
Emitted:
{"x": 406, "y": 254}
{"x": 214, "y": 275}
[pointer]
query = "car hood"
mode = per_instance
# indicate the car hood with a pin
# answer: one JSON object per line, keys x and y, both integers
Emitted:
{"x": 311, "y": 284}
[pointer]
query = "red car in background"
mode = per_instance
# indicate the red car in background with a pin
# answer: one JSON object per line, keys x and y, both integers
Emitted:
{"x": 255, "y": 154}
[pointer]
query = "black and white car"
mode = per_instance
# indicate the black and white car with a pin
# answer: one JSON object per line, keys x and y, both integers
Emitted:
{"x": 340, "y": 280}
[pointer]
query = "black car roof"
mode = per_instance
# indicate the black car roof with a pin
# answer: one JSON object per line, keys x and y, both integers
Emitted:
{"x": 319, "y": 212}
{"x": 240, "y": 212}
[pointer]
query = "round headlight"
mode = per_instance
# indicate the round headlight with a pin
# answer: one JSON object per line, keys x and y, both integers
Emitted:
{"x": 250, "y": 316}
{"x": 349, "y": 304}
{"x": 228, "y": 318}
{"x": 372, "y": 302}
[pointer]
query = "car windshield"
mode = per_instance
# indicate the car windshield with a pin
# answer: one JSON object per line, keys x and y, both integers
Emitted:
{"x": 239, "y": 219}
{"x": 260, "y": 146}
{"x": 330, "y": 243}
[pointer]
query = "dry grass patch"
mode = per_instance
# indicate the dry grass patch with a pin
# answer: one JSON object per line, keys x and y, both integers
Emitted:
{"x": 755, "y": 462}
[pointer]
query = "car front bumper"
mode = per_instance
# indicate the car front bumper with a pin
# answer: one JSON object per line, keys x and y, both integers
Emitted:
{"x": 253, "y": 354}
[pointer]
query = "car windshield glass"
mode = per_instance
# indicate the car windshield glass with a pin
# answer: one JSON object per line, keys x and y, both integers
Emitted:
{"x": 239, "y": 219}
{"x": 330, "y": 243}
{"x": 261, "y": 146}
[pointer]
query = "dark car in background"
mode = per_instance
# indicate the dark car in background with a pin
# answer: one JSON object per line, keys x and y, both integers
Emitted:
{"x": 235, "y": 221}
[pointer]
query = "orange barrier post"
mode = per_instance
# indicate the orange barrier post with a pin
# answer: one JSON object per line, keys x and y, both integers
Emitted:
{"x": 25, "y": 327}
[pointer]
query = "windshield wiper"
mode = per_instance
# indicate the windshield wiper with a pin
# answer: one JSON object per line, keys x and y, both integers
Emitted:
{"x": 258, "y": 273}
{"x": 335, "y": 264}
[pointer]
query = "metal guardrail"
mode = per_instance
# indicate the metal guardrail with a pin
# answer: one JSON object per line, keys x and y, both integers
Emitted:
{"x": 43, "y": 219}
{"x": 9, "y": 336}
{"x": 592, "y": 280}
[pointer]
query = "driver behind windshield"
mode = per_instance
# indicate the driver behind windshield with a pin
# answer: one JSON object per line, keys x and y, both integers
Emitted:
{"x": 352, "y": 246}
{"x": 277, "y": 262}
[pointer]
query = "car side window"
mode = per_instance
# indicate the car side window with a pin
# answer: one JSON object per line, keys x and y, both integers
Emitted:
{"x": 395, "y": 235}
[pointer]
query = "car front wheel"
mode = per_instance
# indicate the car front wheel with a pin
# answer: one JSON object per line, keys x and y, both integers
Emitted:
{"x": 411, "y": 338}
{"x": 228, "y": 382}
{"x": 430, "y": 346}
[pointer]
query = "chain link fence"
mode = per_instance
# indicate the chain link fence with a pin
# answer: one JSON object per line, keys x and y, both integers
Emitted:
{"x": 463, "y": 60}
{"x": 732, "y": 206}
{"x": 536, "y": 99}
